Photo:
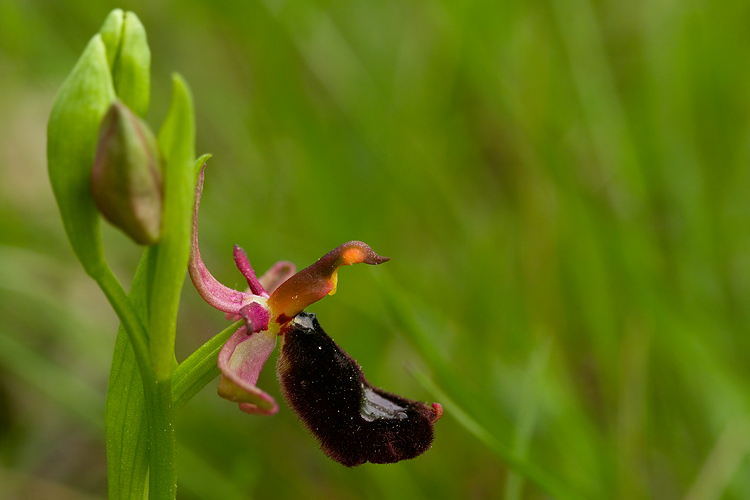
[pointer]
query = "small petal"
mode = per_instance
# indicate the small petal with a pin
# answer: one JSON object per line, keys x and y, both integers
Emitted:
{"x": 243, "y": 264}
{"x": 274, "y": 277}
{"x": 256, "y": 317}
{"x": 354, "y": 421}
{"x": 318, "y": 280}
{"x": 240, "y": 362}
{"x": 271, "y": 279}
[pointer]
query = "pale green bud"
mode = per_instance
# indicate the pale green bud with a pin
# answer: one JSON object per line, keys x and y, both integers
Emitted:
{"x": 126, "y": 180}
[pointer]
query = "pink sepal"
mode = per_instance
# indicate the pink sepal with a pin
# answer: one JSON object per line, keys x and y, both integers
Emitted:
{"x": 240, "y": 362}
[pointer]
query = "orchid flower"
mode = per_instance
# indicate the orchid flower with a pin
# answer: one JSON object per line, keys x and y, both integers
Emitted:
{"x": 354, "y": 421}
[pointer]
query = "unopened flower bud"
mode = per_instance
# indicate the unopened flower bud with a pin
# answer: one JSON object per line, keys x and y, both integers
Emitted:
{"x": 126, "y": 180}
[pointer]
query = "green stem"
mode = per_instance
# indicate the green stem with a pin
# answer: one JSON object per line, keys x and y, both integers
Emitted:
{"x": 162, "y": 443}
{"x": 120, "y": 302}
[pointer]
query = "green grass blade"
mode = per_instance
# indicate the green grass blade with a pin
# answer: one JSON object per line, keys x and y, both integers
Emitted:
{"x": 527, "y": 469}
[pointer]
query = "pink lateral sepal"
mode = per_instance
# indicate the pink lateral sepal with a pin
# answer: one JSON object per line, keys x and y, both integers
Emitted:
{"x": 279, "y": 273}
{"x": 240, "y": 362}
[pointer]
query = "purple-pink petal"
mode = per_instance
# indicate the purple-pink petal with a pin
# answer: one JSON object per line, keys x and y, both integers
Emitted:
{"x": 279, "y": 273}
{"x": 270, "y": 281}
{"x": 243, "y": 264}
{"x": 219, "y": 296}
{"x": 240, "y": 362}
{"x": 256, "y": 317}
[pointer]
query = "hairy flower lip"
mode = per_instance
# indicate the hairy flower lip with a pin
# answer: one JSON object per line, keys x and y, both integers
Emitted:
{"x": 354, "y": 421}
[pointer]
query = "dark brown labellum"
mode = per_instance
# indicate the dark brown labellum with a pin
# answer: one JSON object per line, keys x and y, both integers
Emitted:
{"x": 354, "y": 421}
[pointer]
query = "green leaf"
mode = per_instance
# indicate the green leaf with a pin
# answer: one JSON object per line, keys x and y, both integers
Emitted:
{"x": 199, "y": 163}
{"x": 111, "y": 31}
{"x": 131, "y": 71}
{"x": 177, "y": 143}
{"x": 72, "y": 133}
{"x": 177, "y": 134}
{"x": 125, "y": 423}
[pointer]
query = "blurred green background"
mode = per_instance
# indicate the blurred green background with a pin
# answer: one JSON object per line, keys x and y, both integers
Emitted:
{"x": 563, "y": 188}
